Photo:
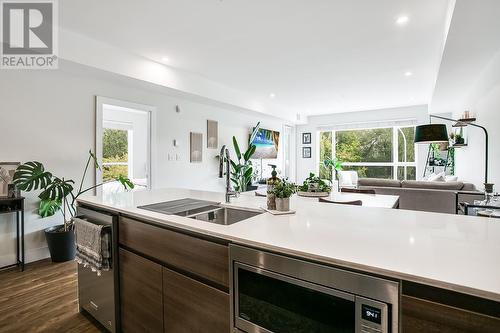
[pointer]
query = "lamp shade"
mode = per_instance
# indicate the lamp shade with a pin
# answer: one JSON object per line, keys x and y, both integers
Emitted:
{"x": 431, "y": 133}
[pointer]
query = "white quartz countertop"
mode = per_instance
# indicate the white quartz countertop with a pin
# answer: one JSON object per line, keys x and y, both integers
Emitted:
{"x": 453, "y": 252}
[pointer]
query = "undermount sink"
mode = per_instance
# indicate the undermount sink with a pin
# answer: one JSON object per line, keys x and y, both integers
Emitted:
{"x": 225, "y": 215}
{"x": 201, "y": 210}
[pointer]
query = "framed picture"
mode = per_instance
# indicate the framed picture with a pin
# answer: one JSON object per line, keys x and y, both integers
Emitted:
{"x": 196, "y": 147}
{"x": 266, "y": 144}
{"x": 7, "y": 170}
{"x": 306, "y": 152}
{"x": 306, "y": 138}
{"x": 212, "y": 134}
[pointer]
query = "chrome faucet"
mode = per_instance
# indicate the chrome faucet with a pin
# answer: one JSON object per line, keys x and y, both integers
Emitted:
{"x": 224, "y": 151}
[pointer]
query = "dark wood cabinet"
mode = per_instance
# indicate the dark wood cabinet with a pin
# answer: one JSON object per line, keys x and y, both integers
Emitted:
{"x": 420, "y": 315}
{"x": 193, "y": 307}
{"x": 181, "y": 288}
{"x": 140, "y": 294}
{"x": 206, "y": 259}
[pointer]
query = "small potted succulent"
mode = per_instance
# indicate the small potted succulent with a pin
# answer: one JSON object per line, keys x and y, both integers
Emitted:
{"x": 283, "y": 191}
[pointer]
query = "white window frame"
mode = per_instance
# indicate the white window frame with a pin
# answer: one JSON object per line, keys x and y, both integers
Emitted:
{"x": 395, "y": 152}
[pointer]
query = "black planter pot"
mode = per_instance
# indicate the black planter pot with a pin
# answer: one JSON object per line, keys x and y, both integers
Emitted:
{"x": 61, "y": 243}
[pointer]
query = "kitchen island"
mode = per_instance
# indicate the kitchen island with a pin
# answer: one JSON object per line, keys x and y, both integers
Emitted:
{"x": 447, "y": 265}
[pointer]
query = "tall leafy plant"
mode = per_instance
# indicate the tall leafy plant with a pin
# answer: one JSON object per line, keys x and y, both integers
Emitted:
{"x": 333, "y": 164}
{"x": 241, "y": 168}
{"x": 58, "y": 194}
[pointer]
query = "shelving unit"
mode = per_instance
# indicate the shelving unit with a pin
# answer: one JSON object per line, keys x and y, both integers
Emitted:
{"x": 464, "y": 122}
{"x": 431, "y": 167}
{"x": 15, "y": 206}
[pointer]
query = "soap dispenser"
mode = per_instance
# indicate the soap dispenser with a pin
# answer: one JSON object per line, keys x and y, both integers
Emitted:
{"x": 271, "y": 198}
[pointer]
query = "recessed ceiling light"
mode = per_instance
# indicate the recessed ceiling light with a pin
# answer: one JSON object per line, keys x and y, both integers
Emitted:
{"x": 402, "y": 20}
{"x": 408, "y": 73}
{"x": 272, "y": 95}
{"x": 165, "y": 59}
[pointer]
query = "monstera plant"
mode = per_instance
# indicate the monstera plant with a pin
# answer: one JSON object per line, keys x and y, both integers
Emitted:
{"x": 57, "y": 194}
{"x": 241, "y": 168}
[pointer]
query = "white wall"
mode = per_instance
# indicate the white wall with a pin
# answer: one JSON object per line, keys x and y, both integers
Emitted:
{"x": 469, "y": 79}
{"x": 305, "y": 166}
{"x": 49, "y": 116}
{"x": 484, "y": 103}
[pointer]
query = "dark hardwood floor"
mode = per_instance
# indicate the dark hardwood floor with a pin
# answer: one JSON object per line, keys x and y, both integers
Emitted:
{"x": 43, "y": 298}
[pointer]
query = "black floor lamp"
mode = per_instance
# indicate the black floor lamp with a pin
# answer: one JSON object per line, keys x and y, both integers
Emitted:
{"x": 436, "y": 133}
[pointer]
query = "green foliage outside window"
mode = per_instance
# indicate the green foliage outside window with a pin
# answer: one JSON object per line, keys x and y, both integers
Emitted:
{"x": 409, "y": 134}
{"x": 110, "y": 172}
{"x": 114, "y": 143}
{"x": 369, "y": 145}
{"x": 325, "y": 152}
{"x": 114, "y": 150}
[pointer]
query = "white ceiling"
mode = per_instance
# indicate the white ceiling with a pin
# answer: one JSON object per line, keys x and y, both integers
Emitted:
{"x": 318, "y": 57}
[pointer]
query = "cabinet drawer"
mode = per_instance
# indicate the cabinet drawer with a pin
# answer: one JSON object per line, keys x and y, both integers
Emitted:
{"x": 424, "y": 316}
{"x": 193, "y": 307}
{"x": 198, "y": 256}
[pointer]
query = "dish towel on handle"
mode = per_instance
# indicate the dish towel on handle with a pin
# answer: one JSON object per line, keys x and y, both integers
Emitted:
{"x": 93, "y": 245}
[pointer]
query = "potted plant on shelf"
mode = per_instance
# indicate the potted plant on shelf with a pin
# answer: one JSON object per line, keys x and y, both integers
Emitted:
{"x": 459, "y": 139}
{"x": 58, "y": 195}
{"x": 241, "y": 168}
{"x": 283, "y": 191}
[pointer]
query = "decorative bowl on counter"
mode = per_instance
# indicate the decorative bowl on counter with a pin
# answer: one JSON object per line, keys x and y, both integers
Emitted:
{"x": 313, "y": 194}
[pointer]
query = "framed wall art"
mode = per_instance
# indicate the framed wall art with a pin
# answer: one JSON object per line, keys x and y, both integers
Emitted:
{"x": 306, "y": 138}
{"x": 306, "y": 152}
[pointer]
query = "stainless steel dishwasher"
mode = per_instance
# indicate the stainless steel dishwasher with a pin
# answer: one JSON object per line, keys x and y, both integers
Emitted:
{"x": 98, "y": 295}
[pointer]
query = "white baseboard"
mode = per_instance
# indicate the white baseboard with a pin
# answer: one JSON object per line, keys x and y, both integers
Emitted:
{"x": 30, "y": 255}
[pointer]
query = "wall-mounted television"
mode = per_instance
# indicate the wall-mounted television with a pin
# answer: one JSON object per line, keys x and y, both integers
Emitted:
{"x": 267, "y": 143}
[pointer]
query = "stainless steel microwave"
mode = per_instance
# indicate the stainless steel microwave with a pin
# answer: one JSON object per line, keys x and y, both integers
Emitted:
{"x": 272, "y": 293}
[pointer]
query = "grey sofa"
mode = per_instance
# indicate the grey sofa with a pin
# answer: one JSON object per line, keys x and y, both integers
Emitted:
{"x": 440, "y": 197}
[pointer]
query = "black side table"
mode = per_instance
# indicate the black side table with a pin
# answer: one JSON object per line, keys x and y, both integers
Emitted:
{"x": 9, "y": 206}
{"x": 482, "y": 210}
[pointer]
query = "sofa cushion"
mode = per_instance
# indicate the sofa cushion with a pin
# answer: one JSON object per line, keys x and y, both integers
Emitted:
{"x": 451, "y": 179}
{"x": 440, "y": 177}
{"x": 432, "y": 185}
{"x": 379, "y": 182}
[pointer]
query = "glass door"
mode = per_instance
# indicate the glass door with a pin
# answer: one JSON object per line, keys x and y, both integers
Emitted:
{"x": 270, "y": 302}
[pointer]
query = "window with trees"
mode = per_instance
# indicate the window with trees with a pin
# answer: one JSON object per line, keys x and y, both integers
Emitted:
{"x": 114, "y": 154}
{"x": 374, "y": 153}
